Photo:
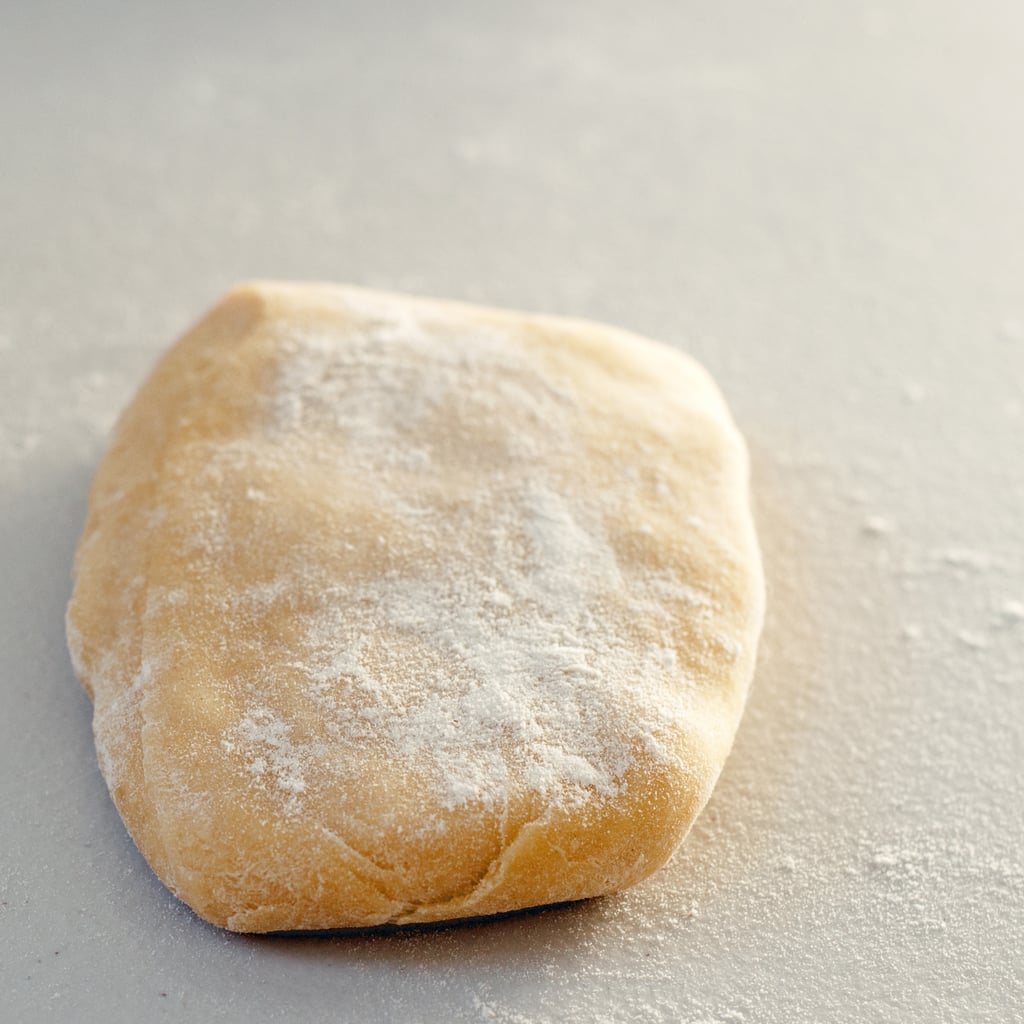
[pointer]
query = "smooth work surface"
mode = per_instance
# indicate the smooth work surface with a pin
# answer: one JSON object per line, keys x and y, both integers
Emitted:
{"x": 822, "y": 202}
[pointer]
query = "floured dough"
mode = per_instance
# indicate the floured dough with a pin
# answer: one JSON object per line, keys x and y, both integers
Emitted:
{"x": 396, "y": 610}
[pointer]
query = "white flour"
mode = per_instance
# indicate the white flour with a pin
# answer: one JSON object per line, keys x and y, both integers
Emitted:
{"x": 503, "y": 655}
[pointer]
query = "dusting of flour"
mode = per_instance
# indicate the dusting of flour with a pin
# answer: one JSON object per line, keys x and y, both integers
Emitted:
{"x": 503, "y": 645}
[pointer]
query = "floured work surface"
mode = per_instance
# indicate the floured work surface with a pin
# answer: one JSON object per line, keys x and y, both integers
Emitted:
{"x": 396, "y": 610}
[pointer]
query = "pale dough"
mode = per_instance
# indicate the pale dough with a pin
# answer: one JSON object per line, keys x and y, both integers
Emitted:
{"x": 396, "y": 610}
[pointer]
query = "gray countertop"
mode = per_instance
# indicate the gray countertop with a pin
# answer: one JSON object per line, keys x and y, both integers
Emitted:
{"x": 822, "y": 202}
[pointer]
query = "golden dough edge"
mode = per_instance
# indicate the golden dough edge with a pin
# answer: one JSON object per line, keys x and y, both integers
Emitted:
{"x": 562, "y": 856}
{"x": 115, "y": 534}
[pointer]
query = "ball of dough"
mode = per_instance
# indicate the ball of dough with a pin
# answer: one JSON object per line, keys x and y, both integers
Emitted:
{"x": 396, "y": 610}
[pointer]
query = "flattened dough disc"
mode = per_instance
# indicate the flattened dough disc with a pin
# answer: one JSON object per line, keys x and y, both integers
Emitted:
{"x": 397, "y": 610}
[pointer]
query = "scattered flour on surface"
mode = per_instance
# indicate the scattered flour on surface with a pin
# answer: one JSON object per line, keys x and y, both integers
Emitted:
{"x": 914, "y": 393}
{"x": 971, "y": 638}
{"x": 1012, "y": 611}
{"x": 961, "y": 561}
{"x": 1011, "y": 329}
{"x": 877, "y": 526}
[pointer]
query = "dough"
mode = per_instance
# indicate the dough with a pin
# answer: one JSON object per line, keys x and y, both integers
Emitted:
{"x": 396, "y": 610}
